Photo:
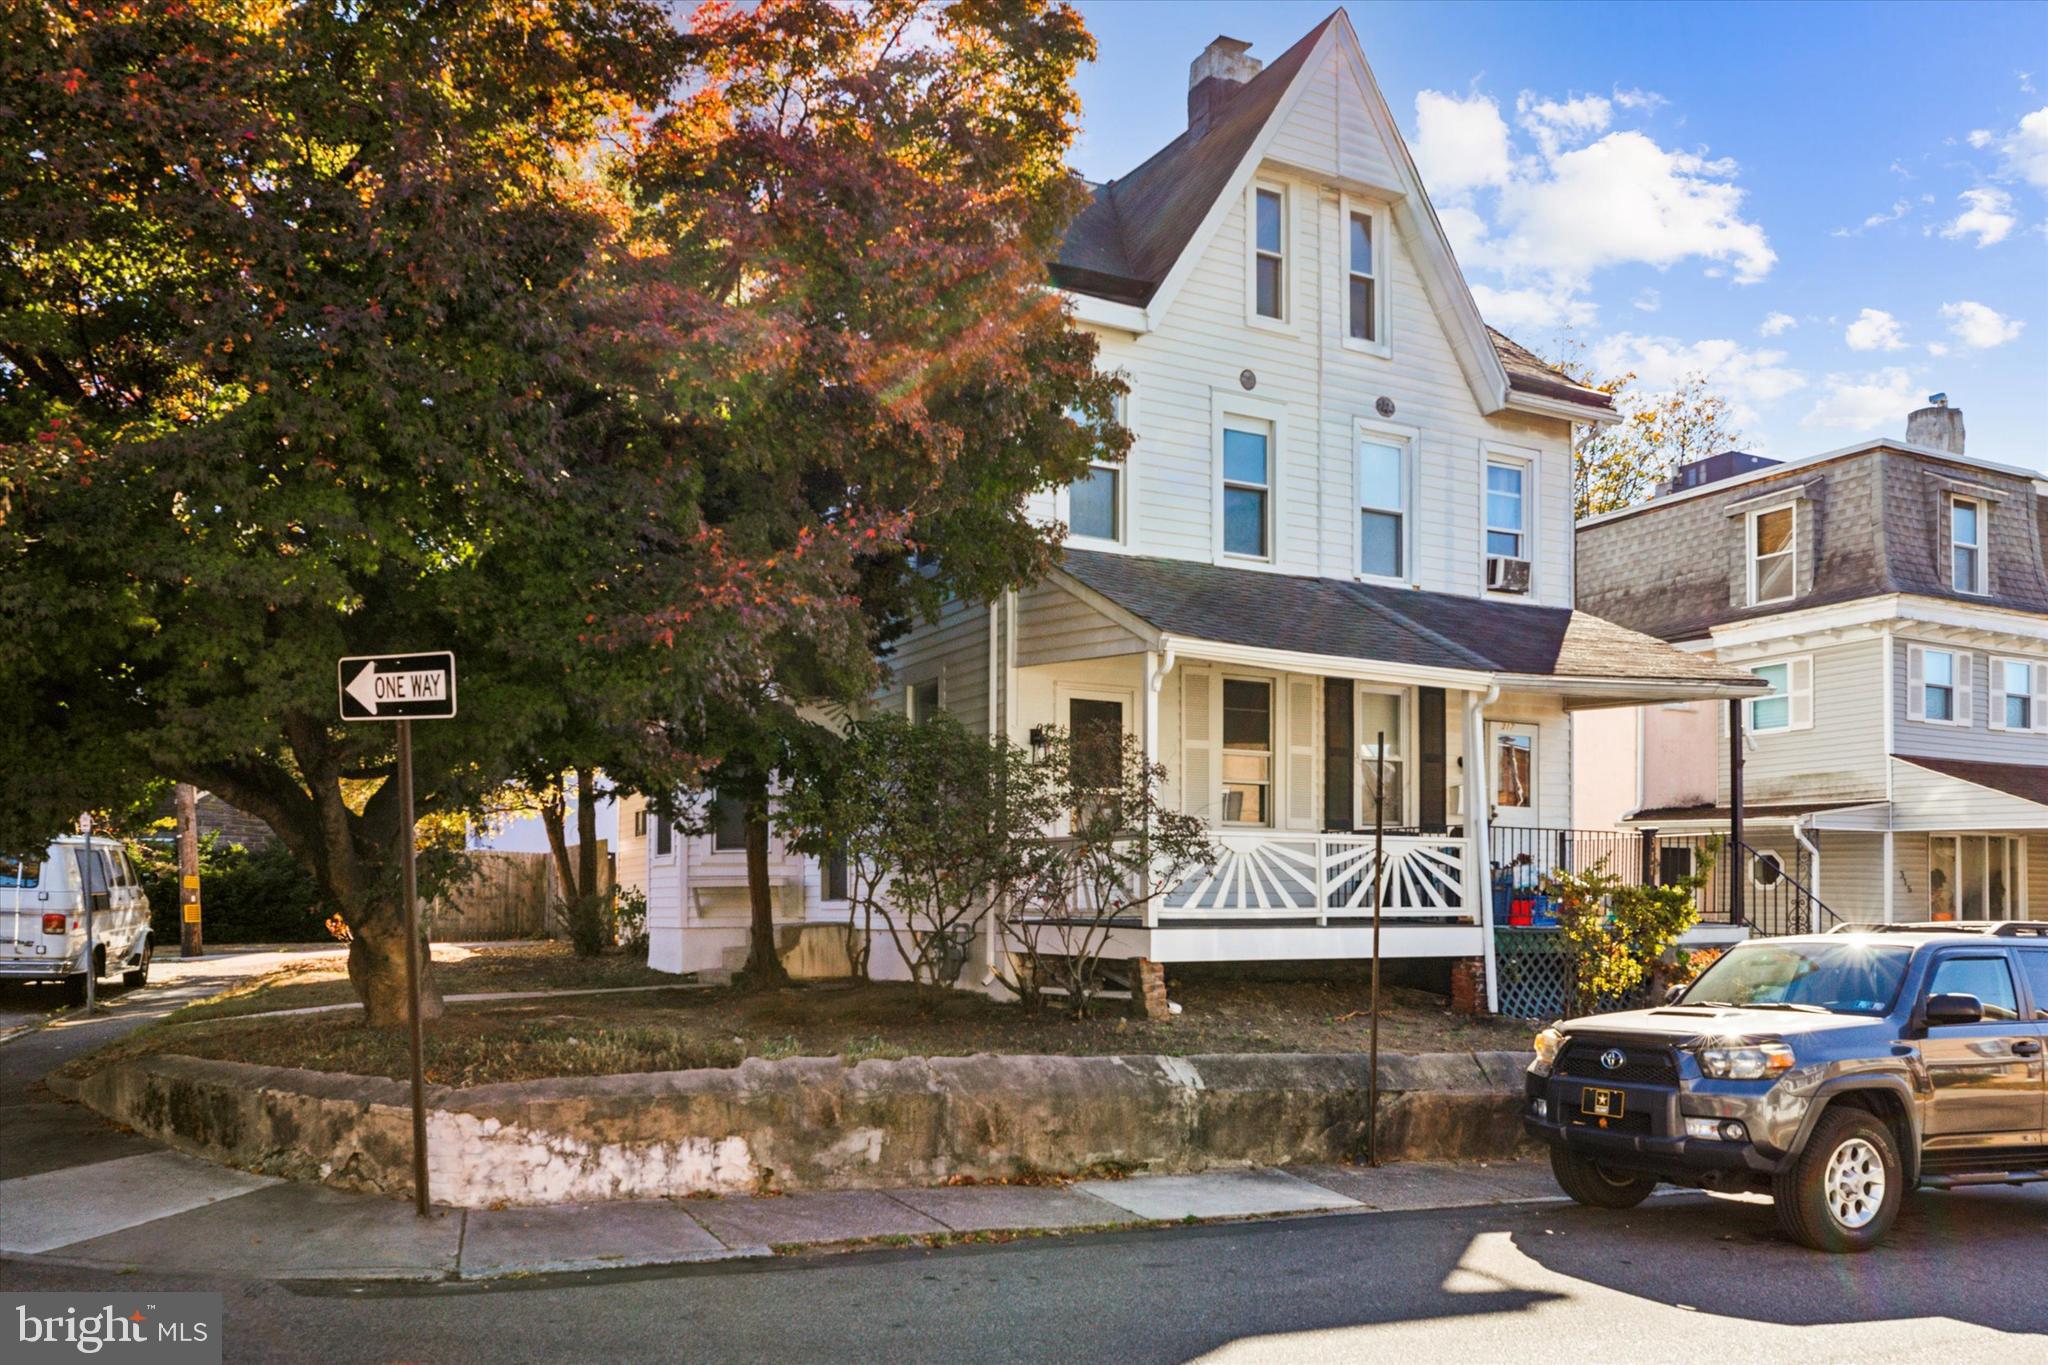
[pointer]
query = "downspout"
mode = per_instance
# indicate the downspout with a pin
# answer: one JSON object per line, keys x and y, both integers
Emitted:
{"x": 1891, "y": 703}
{"x": 990, "y": 938}
{"x": 1479, "y": 832}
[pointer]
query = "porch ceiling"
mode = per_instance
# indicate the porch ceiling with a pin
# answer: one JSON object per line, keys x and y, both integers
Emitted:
{"x": 1343, "y": 626}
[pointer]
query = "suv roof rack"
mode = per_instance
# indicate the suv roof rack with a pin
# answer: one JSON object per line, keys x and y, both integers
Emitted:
{"x": 2011, "y": 928}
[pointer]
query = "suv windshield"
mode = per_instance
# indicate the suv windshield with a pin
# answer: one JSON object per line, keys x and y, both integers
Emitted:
{"x": 1848, "y": 977}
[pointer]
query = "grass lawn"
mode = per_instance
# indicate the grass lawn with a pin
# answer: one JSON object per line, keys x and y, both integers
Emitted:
{"x": 601, "y": 1035}
{"x": 457, "y": 970}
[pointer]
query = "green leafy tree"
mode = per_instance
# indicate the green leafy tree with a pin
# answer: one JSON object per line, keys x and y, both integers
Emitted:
{"x": 846, "y": 217}
{"x": 1617, "y": 932}
{"x": 324, "y": 330}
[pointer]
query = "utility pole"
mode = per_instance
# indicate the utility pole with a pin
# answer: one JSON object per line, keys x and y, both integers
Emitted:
{"x": 189, "y": 942}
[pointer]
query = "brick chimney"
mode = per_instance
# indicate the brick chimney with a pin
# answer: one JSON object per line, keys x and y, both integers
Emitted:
{"x": 1214, "y": 77}
{"x": 1936, "y": 426}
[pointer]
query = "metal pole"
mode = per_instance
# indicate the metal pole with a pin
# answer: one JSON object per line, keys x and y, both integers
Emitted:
{"x": 409, "y": 873}
{"x": 189, "y": 942}
{"x": 92, "y": 975}
{"x": 1736, "y": 910}
{"x": 1379, "y": 868}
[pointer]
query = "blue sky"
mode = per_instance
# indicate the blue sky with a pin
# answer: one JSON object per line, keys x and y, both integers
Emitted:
{"x": 1831, "y": 210}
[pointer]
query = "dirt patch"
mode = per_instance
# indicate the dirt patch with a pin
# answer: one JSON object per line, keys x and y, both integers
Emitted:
{"x": 669, "y": 1031}
{"x": 457, "y": 971}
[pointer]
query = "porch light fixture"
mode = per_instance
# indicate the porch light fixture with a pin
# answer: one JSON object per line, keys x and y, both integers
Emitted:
{"x": 1040, "y": 741}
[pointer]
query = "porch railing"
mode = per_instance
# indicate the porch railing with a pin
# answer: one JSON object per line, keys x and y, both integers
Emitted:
{"x": 1775, "y": 899}
{"x": 1277, "y": 875}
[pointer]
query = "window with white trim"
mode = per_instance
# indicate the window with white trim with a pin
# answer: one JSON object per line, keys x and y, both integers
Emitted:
{"x": 1247, "y": 752}
{"x": 1773, "y": 555}
{"x": 1269, "y": 252}
{"x": 924, "y": 701}
{"x": 1507, "y": 509}
{"x": 1966, "y": 545}
{"x": 1937, "y": 685}
{"x": 1247, "y": 487}
{"x": 2019, "y": 695}
{"x": 1362, "y": 252}
{"x": 1379, "y": 713}
{"x": 1789, "y": 703}
{"x": 1382, "y": 506}
{"x": 728, "y": 823}
{"x": 1095, "y": 501}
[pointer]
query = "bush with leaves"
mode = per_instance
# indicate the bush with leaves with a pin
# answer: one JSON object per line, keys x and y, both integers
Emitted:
{"x": 1617, "y": 933}
{"x": 1123, "y": 848}
{"x": 262, "y": 895}
{"x": 937, "y": 826}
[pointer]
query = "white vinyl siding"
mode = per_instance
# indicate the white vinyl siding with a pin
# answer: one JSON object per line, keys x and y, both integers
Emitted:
{"x": 1978, "y": 742}
{"x": 1837, "y": 753}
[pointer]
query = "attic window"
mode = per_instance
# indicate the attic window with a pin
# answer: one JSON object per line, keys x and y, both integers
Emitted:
{"x": 1361, "y": 281}
{"x": 1268, "y": 258}
{"x": 1773, "y": 556}
{"x": 1966, "y": 545}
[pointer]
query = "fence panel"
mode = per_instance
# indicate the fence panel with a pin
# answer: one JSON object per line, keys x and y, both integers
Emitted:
{"x": 504, "y": 896}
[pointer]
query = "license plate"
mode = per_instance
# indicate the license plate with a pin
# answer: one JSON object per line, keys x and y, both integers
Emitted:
{"x": 1601, "y": 1104}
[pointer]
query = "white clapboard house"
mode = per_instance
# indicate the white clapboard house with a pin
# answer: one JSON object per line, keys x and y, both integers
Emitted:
{"x": 1347, "y": 511}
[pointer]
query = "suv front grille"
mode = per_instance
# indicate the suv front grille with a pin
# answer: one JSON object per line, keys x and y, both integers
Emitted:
{"x": 1639, "y": 1066}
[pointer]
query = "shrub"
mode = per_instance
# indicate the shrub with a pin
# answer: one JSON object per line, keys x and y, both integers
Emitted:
{"x": 1617, "y": 933}
{"x": 247, "y": 895}
{"x": 629, "y": 920}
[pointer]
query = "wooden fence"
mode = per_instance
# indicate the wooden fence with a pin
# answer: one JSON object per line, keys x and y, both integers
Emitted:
{"x": 506, "y": 895}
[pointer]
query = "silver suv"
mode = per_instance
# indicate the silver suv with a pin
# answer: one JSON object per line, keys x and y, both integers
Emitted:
{"x": 1834, "y": 1071}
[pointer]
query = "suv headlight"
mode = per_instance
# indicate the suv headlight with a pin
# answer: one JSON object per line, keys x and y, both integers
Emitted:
{"x": 1547, "y": 1044}
{"x": 1746, "y": 1062}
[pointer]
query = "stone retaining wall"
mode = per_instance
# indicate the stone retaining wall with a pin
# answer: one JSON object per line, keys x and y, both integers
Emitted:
{"x": 816, "y": 1123}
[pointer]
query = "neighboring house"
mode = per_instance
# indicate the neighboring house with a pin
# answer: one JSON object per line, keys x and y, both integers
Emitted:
{"x": 1347, "y": 511}
{"x": 1895, "y": 597}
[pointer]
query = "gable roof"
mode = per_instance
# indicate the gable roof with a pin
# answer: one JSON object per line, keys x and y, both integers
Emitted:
{"x": 2027, "y": 781}
{"x": 1342, "y": 619}
{"x": 1124, "y": 245}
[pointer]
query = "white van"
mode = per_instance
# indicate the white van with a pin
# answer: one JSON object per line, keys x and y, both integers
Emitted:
{"x": 42, "y": 915}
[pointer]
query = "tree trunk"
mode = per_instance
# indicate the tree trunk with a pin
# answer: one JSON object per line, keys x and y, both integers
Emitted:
{"x": 764, "y": 964}
{"x": 580, "y": 882}
{"x": 376, "y": 968}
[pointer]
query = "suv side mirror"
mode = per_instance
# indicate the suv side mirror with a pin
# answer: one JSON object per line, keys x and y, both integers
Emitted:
{"x": 1954, "y": 1009}
{"x": 1674, "y": 995}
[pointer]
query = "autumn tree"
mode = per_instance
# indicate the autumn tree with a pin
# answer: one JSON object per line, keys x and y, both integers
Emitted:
{"x": 318, "y": 337}
{"x": 1619, "y": 465}
{"x": 846, "y": 216}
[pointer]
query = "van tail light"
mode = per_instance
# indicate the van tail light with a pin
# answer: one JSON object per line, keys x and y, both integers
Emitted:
{"x": 53, "y": 924}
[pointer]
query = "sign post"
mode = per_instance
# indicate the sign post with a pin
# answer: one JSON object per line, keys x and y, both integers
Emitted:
{"x": 190, "y": 943}
{"x": 87, "y": 875}
{"x": 404, "y": 688}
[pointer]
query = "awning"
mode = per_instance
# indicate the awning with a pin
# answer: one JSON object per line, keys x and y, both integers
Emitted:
{"x": 1967, "y": 794}
{"x": 1297, "y": 621}
{"x": 1821, "y": 814}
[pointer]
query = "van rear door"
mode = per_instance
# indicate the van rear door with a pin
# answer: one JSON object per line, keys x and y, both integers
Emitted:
{"x": 21, "y": 906}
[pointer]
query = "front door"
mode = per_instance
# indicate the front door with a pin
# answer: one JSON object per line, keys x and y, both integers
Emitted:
{"x": 1511, "y": 773}
{"x": 1095, "y": 729}
{"x": 1986, "y": 1077}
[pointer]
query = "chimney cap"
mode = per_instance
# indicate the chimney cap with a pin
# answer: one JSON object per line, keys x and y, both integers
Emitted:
{"x": 1937, "y": 400}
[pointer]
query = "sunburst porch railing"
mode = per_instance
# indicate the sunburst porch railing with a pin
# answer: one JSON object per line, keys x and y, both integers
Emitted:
{"x": 1275, "y": 875}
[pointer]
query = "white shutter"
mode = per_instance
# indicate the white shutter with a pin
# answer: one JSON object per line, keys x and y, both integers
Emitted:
{"x": 1200, "y": 785}
{"x": 1301, "y": 753}
{"x": 1799, "y": 692}
{"x": 1994, "y": 714}
{"x": 1916, "y": 684}
{"x": 2038, "y": 711}
{"x": 1965, "y": 717}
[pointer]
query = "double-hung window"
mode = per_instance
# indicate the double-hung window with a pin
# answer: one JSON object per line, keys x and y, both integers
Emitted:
{"x": 1247, "y": 487}
{"x": 1361, "y": 280}
{"x": 1937, "y": 685}
{"x": 1095, "y": 501}
{"x": 1382, "y": 506}
{"x": 728, "y": 823}
{"x": 1247, "y": 752}
{"x": 1966, "y": 545}
{"x": 1269, "y": 254}
{"x": 924, "y": 701}
{"x": 1773, "y": 556}
{"x": 1789, "y": 703}
{"x": 2019, "y": 695}
{"x": 1507, "y": 509}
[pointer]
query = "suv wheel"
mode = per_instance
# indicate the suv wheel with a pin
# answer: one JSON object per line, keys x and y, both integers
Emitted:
{"x": 1597, "y": 1186}
{"x": 1845, "y": 1189}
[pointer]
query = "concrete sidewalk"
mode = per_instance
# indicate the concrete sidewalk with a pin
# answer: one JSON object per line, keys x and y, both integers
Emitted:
{"x": 164, "y": 1212}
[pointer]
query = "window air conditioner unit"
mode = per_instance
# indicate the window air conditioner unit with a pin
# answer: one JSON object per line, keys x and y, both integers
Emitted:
{"x": 1506, "y": 574}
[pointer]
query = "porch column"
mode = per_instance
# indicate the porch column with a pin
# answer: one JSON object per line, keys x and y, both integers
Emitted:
{"x": 1736, "y": 913}
{"x": 1156, "y": 667}
{"x": 1479, "y": 841}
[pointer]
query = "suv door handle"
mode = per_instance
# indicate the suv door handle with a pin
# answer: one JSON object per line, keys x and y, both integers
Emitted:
{"x": 2026, "y": 1047}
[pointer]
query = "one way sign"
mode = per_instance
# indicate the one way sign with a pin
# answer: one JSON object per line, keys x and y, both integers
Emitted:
{"x": 398, "y": 687}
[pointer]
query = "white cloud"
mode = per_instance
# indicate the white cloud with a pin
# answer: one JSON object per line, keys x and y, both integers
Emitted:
{"x": 1647, "y": 301}
{"x": 1555, "y": 124}
{"x": 1989, "y": 217}
{"x": 1640, "y": 101}
{"x": 1660, "y": 364}
{"x": 1775, "y": 324}
{"x": 1874, "y": 330}
{"x": 1980, "y": 327}
{"x": 1460, "y": 144}
{"x": 1980, "y": 137}
{"x": 1531, "y": 308}
{"x": 1864, "y": 402}
{"x": 1546, "y": 220}
{"x": 1937, "y": 348}
{"x": 2026, "y": 150}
